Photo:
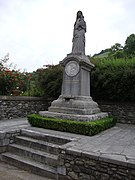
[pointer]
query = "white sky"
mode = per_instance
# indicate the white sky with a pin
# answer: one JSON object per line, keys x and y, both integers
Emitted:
{"x": 39, "y": 32}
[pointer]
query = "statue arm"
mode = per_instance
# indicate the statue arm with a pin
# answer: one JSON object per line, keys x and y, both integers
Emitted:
{"x": 81, "y": 25}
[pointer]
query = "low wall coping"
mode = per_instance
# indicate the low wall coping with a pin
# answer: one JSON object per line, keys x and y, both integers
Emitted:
{"x": 22, "y": 98}
{"x": 113, "y": 159}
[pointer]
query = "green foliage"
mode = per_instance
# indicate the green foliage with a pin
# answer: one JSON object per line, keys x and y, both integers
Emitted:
{"x": 49, "y": 81}
{"x": 116, "y": 47}
{"x": 130, "y": 46}
{"x": 32, "y": 89}
{"x": 103, "y": 53}
{"x": 85, "y": 128}
{"x": 116, "y": 51}
{"x": 113, "y": 79}
{"x": 12, "y": 81}
{"x": 114, "y": 76}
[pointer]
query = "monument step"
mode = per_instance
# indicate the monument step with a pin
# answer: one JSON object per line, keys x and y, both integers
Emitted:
{"x": 59, "y": 140}
{"x": 30, "y": 165}
{"x": 76, "y": 117}
{"x": 37, "y": 144}
{"x": 37, "y": 155}
{"x": 78, "y": 111}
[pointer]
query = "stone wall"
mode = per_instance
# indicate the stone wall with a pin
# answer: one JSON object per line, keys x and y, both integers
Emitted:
{"x": 84, "y": 166}
{"x": 125, "y": 112}
{"x": 6, "y": 138}
{"x": 20, "y": 106}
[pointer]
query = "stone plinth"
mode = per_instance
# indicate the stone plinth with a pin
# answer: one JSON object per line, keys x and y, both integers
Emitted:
{"x": 83, "y": 105}
{"x": 75, "y": 101}
{"x": 77, "y": 117}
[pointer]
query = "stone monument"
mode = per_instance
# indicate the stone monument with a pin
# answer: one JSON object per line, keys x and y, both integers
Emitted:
{"x": 75, "y": 102}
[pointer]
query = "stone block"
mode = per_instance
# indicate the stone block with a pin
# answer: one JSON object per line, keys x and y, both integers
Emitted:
{"x": 73, "y": 152}
{"x": 73, "y": 175}
{"x": 2, "y": 135}
{"x": 61, "y": 170}
{"x": 76, "y": 117}
{"x": 91, "y": 155}
{"x": 114, "y": 159}
{"x": 4, "y": 142}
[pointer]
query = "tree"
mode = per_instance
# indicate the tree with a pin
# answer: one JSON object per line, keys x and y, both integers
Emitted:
{"x": 129, "y": 47}
{"x": 116, "y": 51}
{"x": 48, "y": 81}
{"x": 11, "y": 80}
{"x": 116, "y": 47}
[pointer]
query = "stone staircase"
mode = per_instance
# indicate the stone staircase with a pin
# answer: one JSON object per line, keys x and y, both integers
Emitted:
{"x": 35, "y": 152}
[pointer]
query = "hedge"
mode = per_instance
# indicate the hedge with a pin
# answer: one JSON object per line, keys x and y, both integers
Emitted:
{"x": 77, "y": 127}
{"x": 113, "y": 79}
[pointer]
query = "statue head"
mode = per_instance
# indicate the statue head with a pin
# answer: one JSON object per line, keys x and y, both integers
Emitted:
{"x": 79, "y": 14}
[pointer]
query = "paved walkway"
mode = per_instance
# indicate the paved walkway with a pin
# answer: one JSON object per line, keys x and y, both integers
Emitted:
{"x": 117, "y": 143}
{"x": 11, "y": 124}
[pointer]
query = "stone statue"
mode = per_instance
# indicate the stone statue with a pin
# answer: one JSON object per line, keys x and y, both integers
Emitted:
{"x": 78, "y": 47}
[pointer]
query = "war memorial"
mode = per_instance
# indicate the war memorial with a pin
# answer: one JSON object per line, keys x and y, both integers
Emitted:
{"x": 75, "y": 101}
{"x": 109, "y": 155}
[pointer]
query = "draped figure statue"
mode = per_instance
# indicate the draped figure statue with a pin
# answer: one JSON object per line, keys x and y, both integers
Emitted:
{"x": 78, "y": 47}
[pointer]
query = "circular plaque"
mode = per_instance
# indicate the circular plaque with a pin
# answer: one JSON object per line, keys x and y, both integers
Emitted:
{"x": 72, "y": 68}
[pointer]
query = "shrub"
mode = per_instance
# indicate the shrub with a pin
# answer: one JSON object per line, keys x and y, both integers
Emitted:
{"x": 77, "y": 127}
{"x": 49, "y": 81}
{"x": 11, "y": 80}
{"x": 113, "y": 79}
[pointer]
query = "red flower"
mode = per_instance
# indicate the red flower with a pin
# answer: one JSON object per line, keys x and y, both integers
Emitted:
{"x": 8, "y": 70}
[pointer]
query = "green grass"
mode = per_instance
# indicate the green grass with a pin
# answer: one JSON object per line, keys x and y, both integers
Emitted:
{"x": 77, "y": 127}
{"x": 114, "y": 63}
{"x": 102, "y": 55}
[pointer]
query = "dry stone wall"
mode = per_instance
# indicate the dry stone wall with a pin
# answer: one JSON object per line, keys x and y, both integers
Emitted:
{"x": 19, "y": 106}
{"x": 84, "y": 166}
{"x": 125, "y": 112}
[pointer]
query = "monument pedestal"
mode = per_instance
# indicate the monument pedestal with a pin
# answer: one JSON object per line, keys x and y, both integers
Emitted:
{"x": 75, "y": 101}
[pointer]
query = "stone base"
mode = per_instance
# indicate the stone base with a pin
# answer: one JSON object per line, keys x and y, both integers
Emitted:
{"x": 75, "y": 102}
{"x": 79, "y": 108}
{"x": 76, "y": 117}
{"x": 80, "y": 105}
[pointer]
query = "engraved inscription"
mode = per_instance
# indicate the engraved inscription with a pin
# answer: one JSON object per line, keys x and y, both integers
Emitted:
{"x": 72, "y": 68}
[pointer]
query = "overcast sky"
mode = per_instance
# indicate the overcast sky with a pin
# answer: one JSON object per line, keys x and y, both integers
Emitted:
{"x": 39, "y": 32}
